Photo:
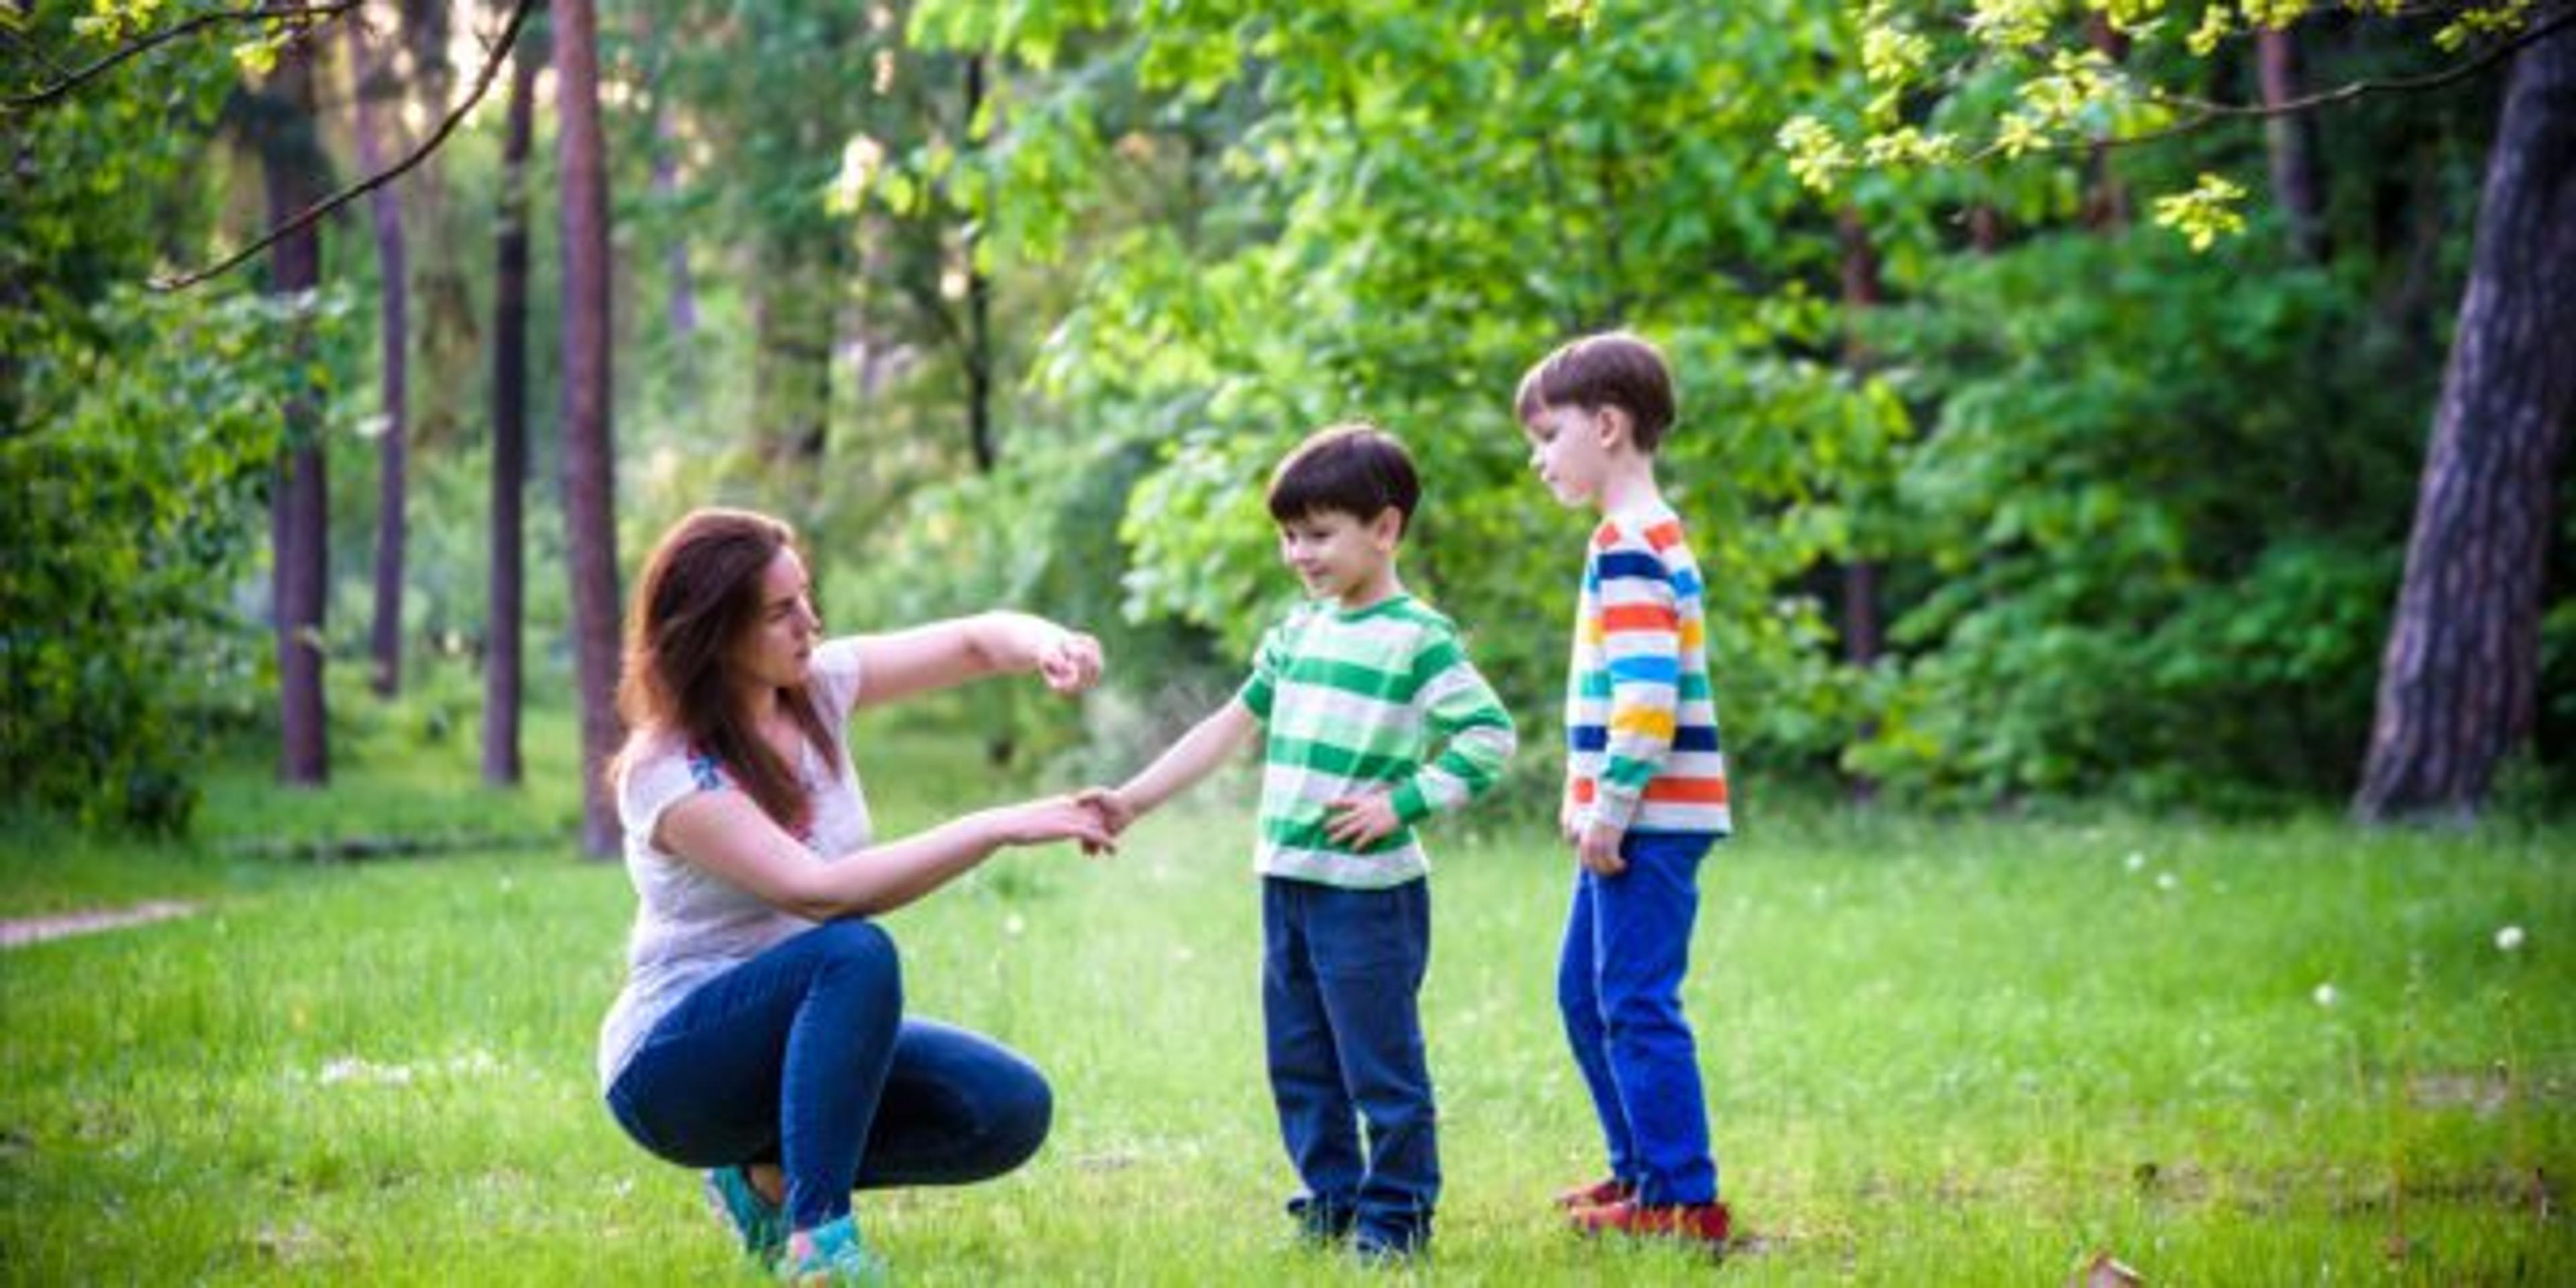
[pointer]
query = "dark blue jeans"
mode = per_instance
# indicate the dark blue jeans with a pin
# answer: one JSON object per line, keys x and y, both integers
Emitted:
{"x": 1341, "y": 979}
{"x": 801, "y": 1057}
{"x": 1619, "y": 985}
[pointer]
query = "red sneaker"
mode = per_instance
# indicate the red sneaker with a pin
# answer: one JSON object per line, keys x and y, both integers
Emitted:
{"x": 1689, "y": 1222}
{"x": 1597, "y": 1194}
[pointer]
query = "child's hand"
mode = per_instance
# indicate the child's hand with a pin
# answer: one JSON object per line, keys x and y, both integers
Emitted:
{"x": 1111, "y": 809}
{"x": 1567, "y": 815}
{"x": 1361, "y": 820}
{"x": 1598, "y": 850}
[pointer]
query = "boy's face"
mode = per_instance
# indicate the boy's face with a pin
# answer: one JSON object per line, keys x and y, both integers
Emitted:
{"x": 1570, "y": 449}
{"x": 1339, "y": 556}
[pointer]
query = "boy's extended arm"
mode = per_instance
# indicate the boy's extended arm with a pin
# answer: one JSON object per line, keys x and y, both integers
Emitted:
{"x": 1195, "y": 756}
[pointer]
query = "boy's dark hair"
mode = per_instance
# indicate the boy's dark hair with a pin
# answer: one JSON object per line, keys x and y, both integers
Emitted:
{"x": 1355, "y": 469}
{"x": 1612, "y": 369}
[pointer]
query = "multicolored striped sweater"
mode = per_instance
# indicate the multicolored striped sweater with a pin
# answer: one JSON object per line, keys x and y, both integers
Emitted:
{"x": 1640, "y": 725}
{"x": 1357, "y": 701}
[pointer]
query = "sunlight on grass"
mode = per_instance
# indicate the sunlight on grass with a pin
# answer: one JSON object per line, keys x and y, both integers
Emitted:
{"x": 1937, "y": 1051}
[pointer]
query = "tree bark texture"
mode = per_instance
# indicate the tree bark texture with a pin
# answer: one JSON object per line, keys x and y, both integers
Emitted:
{"x": 2458, "y": 681}
{"x": 2291, "y": 141}
{"x": 374, "y": 81}
{"x": 294, "y": 175}
{"x": 503, "y": 648}
{"x": 589, "y": 459}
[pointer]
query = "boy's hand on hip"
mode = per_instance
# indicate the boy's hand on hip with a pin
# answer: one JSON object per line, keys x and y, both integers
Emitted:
{"x": 1598, "y": 849}
{"x": 1361, "y": 820}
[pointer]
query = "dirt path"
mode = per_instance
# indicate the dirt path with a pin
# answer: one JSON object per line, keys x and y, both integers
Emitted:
{"x": 21, "y": 931}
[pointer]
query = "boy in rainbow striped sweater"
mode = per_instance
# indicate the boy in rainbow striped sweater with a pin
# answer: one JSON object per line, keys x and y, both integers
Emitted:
{"x": 1372, "y": 719}
{"x": 1645, "y": 788}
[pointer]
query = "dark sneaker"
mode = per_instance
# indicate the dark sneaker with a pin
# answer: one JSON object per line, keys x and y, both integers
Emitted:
{"x": 1597, "y": 1194}
{"x": 1699, "y": 1223}
{"x": 1320, "y": 1220}
{"x": 1390, "y": 1249}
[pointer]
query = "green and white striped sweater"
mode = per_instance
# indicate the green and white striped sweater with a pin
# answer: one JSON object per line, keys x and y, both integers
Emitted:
{"x": 1357, "y": 701}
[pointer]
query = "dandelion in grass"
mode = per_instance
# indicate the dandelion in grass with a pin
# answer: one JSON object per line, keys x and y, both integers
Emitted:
{"x": 2167, "y": 881}
{"x": 2136, "y": 862}
{"x": 2326, "y": 995}
{"x": 1015, "y": 925}
{"x": 2509, "y": 939}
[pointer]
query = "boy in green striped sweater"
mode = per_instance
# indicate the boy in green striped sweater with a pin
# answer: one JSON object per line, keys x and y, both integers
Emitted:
{"x": 1372, "y": 719}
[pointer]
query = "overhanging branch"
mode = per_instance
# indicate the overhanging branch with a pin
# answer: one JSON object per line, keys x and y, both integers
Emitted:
{"x": 307, "y": 15}
{"x": 318, "y": 210}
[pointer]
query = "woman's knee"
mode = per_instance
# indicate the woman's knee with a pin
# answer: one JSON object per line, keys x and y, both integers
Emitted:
{"x": 1020, "y": 1114}
{"x": 864, "y": 950}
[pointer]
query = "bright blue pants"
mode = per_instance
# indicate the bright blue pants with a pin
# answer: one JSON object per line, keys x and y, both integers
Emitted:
{"x": 1619, "y": 986}
{"x": 1341, "y": 983}
{"x": 801, "y": 1057}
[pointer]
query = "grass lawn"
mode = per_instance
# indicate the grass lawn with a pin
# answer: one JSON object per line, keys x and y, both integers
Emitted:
{"x": 1938, "y": 1050}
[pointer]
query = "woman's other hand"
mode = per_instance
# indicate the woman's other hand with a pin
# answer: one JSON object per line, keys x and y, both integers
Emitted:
{"x": 1068, "y": 660}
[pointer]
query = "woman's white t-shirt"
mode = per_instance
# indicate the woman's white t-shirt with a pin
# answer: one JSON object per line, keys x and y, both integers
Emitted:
{"x": 691, "y": 925}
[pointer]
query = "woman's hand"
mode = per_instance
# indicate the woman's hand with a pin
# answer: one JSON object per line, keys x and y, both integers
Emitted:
{"x": 1068, "y": 660}
{"x": 1054, "y": 818}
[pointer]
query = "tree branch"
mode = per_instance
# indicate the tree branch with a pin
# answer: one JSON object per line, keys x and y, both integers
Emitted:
{"x": 419, "y": 153}
{"x": 2204, "y": 113}
{"x": 308, "y": 14}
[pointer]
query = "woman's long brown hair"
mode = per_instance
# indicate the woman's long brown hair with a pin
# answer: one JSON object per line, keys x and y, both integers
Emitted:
{"x": 701, "y": 595}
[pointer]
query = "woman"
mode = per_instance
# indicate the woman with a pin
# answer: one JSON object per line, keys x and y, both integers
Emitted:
{"x": 761, "y": 1031}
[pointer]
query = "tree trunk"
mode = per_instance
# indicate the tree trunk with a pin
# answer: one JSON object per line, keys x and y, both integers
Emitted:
{"x": 979, "y": 305}
{"x": 373, "y": 81}
{"x": 589, "y": 461}
{"x": 294, "y": 177}
{"x": 2292, "y": 142}
{"x": 503, "y": 650}
{"x": 2106, "y": 198}
{"x": 666, "y": 188}
{"x": 2458, "y": 682}
{"x": 450, "y": 344}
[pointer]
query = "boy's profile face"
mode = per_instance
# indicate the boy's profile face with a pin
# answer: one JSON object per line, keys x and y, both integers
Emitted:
{"x": 1570, "y": 449}
{"x": 1340, "y": 556}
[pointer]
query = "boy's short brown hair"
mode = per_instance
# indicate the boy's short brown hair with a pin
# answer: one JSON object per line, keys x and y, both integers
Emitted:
{"x": 1354, "y": 468}
{"x": 1613, "y": 369}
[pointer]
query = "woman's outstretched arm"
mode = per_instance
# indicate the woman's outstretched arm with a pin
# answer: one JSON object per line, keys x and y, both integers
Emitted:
{"x": 725, "y": 833}
{"x": 938, "y": 655}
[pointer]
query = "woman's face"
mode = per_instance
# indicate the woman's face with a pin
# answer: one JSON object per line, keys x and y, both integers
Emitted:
{"x": 777, "y": 646}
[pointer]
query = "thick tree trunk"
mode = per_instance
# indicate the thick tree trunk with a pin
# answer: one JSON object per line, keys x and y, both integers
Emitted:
{"x": 2457, "y": 684}
{"x": 589, "y": 479}
{"x": 294, "y": 177}
{"x": 503, "y": 649}
{"x": 2292, "y": 142}
{"x": 373, "y": 82}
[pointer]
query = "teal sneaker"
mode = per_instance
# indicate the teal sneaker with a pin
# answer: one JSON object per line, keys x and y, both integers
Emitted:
{"x": 759, "y": 1223}
{"x": 831, "y": 1254}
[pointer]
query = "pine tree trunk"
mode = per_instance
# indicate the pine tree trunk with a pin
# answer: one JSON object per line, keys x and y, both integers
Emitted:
{"x": 504, "y": 651}
{"x": 2458, "y": 682}
{"x": 373, "y": 80}
{"x": 589, "y": 460}
{"x": 293, "y": 178}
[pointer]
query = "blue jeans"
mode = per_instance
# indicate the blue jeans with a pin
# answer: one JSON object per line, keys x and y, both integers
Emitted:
{"x": 801, "y": 1057}
{"x": 1619, "y": 986}
{"x": 1341, "y": 979}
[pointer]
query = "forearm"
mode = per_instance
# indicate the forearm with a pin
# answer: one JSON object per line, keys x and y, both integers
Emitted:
{"x": 1194, "y": 757}
{"x": 882, "y": 878}
{"x": 1004, "y": 642}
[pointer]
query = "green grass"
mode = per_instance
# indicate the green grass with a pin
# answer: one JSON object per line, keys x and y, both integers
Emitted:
{"x": 1938, "y": 1051}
